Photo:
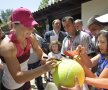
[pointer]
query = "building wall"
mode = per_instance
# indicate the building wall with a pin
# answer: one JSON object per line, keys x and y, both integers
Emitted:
{"x": 94, "y": 7}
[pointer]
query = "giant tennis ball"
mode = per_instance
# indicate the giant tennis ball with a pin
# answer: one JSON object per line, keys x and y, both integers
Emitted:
{"x": 64, "y": 74}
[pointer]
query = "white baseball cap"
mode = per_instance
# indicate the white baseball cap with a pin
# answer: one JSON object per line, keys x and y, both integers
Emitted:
{"x": 103, "y": 18}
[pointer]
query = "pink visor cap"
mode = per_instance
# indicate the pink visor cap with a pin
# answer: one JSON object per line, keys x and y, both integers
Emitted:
{"x": 23, "y": 16}
{"x": 103, "y": 18}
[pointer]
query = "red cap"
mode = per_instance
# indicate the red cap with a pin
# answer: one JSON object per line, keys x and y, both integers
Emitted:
{"x": 23, "y": 16}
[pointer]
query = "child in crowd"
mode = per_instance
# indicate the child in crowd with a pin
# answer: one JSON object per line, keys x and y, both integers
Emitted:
{"x": 55, "y": 48}
{"x": 101, "y": 60}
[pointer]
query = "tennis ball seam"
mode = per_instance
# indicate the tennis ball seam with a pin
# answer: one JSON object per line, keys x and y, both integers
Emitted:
{"x": 67, "y": 74}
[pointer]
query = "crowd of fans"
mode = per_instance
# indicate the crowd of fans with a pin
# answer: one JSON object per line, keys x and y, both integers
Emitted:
{"x": 25, "y": 55}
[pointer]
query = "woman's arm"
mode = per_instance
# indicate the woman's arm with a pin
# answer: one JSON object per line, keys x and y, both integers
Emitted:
{"x": 97, "y": 82}
{"x": 39, "y": 52}
{"x": 86, "y": 62}
{"x": 95, "y": 59}
{"x": 9, "y": 53}
{"x": 85, "y": 58}
{"x": 36, "y": 47}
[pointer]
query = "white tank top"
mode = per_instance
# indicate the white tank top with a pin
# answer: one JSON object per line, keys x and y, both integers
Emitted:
{"x": 8, "y": 80}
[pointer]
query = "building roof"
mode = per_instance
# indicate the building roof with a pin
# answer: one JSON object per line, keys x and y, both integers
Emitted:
{"x": 59, "y": 7}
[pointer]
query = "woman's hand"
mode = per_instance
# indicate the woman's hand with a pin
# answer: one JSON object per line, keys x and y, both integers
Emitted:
{"x": 84, "y": 58}
{"x": 76, "y": 87}
{"x": 50, "y": 64}
{"x": 43, "y": 61}
{"x": 81, "y": 50}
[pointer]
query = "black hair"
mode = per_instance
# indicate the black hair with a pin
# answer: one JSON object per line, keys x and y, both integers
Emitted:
{"x": 55, "y": 20}
{"x": 68, "y": 18}
{"x": 103, "y": 32}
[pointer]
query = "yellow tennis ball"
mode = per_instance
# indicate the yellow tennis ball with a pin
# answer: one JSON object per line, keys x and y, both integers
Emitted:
{"x": 64, "y": 74}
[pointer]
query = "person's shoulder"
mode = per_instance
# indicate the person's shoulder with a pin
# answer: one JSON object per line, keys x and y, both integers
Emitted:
{"x": 7, "y": 48}
{"x": 32, "y": 38}
{"x": 64, "y": 40}
{"x": 49, "y": 53}
{"x": 84, "y": 34}
{"x": 63, "y": 32}
{"x": 49, "y": 32}
{"x": 39, "y": 37}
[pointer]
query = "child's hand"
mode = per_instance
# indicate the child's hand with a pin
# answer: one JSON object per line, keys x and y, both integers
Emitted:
{"x": 81, "y": 50}
{"x": 78, "y": 51}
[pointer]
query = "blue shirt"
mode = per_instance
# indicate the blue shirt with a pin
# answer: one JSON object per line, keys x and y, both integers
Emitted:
{"x": 102, "y": 63}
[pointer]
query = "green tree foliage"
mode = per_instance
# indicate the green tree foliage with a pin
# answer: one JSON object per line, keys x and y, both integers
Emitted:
{"x": 5, "y": 14}
{"x": 0, "y": 21}
{"x": 43, "y": 4}
{"x": 53, "y": 1}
